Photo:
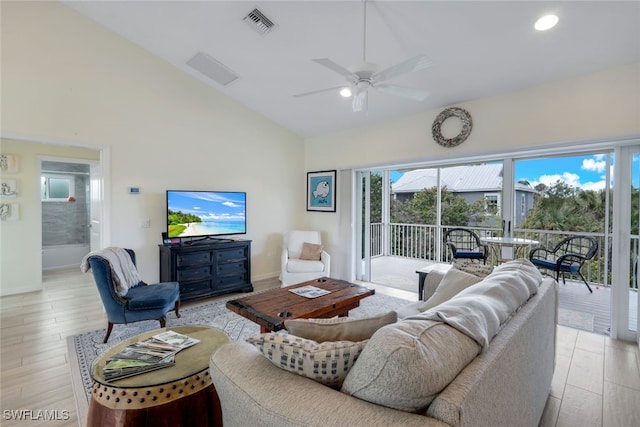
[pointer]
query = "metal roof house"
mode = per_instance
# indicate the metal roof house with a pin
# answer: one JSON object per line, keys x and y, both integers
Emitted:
{"x": 471, "y": 182}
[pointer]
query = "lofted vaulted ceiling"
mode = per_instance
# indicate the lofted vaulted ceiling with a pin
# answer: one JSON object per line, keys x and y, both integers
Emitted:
{"x": 477, "y": 49}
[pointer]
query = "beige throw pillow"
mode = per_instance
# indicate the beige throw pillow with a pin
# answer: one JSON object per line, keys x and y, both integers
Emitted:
{"x": 453, "y": 282}
{"x": 328, "y": 363}
{"x": 311, "y": 251}
{"x": 405, "y": 365}
{"x": 339, "y": 328}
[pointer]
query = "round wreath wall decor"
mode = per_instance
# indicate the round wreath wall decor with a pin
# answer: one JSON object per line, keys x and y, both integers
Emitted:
{"x": 464, "y": 117}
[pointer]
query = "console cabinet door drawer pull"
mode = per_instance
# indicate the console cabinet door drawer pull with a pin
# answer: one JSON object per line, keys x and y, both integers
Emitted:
{"x": 194, "y": 273}
{"x": 230, "y": 254}
{"x": 185, "y": 260}
{"x": 228, "y": 281}
{"x": 236, "y": 267}
{"x": 194, "y": 288}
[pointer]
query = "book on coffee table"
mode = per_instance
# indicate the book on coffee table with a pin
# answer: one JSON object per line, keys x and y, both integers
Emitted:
{"x": 310, "y": 291}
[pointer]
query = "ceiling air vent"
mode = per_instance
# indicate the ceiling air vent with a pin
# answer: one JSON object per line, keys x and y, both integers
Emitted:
{"x": 212, "y": 68}
{"x": 259, "y": 22}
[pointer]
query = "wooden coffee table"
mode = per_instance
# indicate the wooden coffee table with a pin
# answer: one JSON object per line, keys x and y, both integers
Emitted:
{"x": 271, "y": 308}
{"x": 181, "y": 395}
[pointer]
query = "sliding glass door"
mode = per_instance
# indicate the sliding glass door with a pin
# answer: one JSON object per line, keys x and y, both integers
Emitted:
{"x": 403, "y": 213}
{"x": 625, "y": 246}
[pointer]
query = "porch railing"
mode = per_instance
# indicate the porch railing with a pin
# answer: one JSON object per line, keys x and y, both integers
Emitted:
{"x": 420, "y": 241}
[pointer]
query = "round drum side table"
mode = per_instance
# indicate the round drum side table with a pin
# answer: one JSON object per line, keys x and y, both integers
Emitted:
{"x": 181, "y": 395}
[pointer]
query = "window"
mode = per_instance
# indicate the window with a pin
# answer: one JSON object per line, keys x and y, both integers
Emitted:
{"x": 56, "y": 187}
{"x": 492, "y": 203}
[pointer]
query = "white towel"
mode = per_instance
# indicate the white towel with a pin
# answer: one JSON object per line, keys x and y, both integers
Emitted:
{"x": 123, "y": 270}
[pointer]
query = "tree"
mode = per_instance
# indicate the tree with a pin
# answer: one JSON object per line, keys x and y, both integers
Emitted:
{"x": 563, "y": 207}
{"x": 375, "y": 194}
{"x": 422, "y": 209}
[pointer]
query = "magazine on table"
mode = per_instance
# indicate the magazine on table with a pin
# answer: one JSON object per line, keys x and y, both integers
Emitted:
{"x": 310, "y": 291}
{"x": 147, "y": 355}
{"x": 175, "y": 339}
{"x": 116, "y": 369}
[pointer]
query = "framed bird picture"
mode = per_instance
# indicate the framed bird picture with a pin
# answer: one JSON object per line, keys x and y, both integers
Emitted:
{"x": 321, "y": 191}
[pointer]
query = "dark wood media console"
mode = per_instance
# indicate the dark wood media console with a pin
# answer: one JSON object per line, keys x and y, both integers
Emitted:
{"x": 205, "y": 269}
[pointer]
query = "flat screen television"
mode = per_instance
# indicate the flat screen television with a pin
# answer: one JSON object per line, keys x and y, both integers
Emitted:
{"x": 206, "y": 213}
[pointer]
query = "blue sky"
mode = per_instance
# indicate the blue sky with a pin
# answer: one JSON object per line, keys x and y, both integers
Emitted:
{"x": 586, "y": 172}
{"x": 209, "y": 206}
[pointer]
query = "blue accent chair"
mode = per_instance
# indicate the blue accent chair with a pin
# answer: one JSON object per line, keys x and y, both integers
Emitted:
{"x": 142, "y": 302}
{"x": 567, "y": 257}
{"x": 465, "y": 244}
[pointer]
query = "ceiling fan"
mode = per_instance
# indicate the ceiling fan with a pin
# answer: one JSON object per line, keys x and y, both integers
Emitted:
{"x": 363, "y": 76}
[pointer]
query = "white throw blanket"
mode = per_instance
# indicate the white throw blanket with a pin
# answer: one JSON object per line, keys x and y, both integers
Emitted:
{"x": 123, "y": 270}
{"x": 480, "y": 310}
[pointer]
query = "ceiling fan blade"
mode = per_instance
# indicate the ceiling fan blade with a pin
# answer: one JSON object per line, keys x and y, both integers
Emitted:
{"x": 313, "y": 92}
{"x": 416, "y": 63}
{"x": 405, "y": 92}
{"x": 326, "y": 62}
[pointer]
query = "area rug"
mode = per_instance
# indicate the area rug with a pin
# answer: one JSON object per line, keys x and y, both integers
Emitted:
{"x": 575, "y": 319}
{"x": 84, "y": 348}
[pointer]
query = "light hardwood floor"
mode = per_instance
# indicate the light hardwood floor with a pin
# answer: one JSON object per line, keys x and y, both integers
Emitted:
{"x": 596, "y": 383}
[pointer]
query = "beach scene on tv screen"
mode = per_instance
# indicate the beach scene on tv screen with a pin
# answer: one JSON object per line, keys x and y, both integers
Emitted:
{"x": 205, "y": 213}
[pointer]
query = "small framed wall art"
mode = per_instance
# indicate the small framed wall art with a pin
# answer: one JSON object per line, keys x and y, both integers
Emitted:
{"x": 8, "y": 211}
{"x": 8, "y": 188}
{"x": 8, "y": 163}
{"x": 321, "y": 191}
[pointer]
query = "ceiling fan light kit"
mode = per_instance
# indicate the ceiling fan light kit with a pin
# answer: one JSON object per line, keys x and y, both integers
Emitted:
{"x": 345, "y": 92}
{"x": 546, "y": 22}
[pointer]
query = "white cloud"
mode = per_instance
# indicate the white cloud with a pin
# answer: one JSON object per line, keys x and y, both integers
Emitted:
{"x": 569, "y": 178}
{"x": 595, "y": 186}
{"x": 596, "y": 164}
{"x": 572, "y": 180}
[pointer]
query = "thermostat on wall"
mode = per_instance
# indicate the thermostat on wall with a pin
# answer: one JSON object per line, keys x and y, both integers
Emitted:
{"x": 134, "y": 190}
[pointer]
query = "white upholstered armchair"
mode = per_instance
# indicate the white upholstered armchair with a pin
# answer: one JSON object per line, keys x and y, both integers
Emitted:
{"x": 303, "y": 257}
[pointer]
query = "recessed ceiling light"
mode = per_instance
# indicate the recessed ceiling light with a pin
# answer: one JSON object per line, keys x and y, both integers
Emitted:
{"x": 345, "y": 92}
{"x": 546, "y": 22}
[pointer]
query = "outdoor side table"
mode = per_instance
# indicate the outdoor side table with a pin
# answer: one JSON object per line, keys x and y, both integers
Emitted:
{"x": 438, "y": 268}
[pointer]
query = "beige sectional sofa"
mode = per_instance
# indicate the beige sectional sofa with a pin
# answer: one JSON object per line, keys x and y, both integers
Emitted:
{"x": 506, "y": 382}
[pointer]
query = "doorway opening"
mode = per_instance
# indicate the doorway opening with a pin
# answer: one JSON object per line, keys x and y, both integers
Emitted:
{"x": 67, "y": 211}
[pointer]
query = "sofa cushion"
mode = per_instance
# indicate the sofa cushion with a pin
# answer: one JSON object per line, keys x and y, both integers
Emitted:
{"x": 327, "y": 363}
{"x": 406, "y": 364}
{"x": 339, "y": 328}
{"x": 451, "y": 284}
{"x": 311, "y": 251}
{"x": 480, "y": 311}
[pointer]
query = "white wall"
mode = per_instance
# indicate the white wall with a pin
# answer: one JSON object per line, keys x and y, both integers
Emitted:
{"x": 64, "y": 78}
{"x": 591, "y": 107}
